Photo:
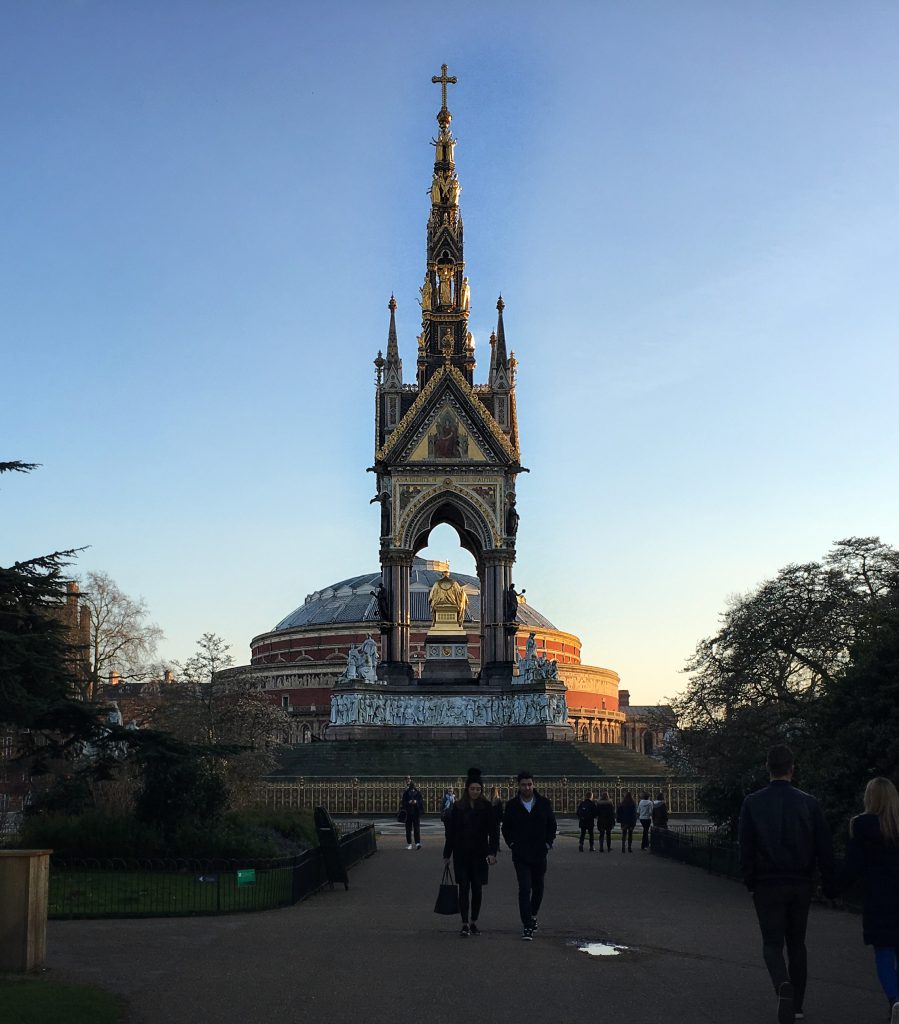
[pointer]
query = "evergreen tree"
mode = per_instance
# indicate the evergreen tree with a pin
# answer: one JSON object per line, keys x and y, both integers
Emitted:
{"x": 37, "y": 656}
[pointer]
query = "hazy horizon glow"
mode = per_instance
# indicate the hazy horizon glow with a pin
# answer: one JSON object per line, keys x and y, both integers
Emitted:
{"x": 692, "y": 214}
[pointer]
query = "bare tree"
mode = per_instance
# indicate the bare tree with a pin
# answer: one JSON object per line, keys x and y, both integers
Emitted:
{"x": 123, "y": 639}
{"x": 216, "y": 708}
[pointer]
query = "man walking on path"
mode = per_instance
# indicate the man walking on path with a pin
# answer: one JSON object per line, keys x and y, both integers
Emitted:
{"x": 413, "y": 805}
{"x": 529, "y": 829}
{"x": 783, "y": 836}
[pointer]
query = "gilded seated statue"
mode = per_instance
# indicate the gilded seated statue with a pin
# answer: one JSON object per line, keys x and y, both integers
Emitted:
{"x": 448, "y": 602}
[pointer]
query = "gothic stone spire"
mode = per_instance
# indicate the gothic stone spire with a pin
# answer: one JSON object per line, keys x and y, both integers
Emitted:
{"x": 393, "y": 366}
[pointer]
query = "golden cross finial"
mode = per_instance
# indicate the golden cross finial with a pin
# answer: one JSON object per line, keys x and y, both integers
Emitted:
{"x": 443, "y": 79}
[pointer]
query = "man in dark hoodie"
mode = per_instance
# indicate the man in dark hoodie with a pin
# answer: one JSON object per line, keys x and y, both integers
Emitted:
{"x": 783, "y": 838}
{"x": 529, "y": 829}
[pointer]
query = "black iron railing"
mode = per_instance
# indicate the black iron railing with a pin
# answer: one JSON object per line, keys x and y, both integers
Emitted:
{"x": 177, "y": 887}
{"x": 700, "y": 848}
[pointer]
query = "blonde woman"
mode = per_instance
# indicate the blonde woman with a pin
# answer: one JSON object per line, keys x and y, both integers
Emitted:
{"x": 873, "y": 855}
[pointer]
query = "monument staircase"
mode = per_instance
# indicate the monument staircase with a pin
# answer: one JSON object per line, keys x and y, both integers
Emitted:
{"x": 449, "y": 759}
{"x": 612, "y": 759}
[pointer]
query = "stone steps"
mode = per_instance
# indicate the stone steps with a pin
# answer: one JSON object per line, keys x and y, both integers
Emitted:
{"x": 450, "y": 759}
{"x": 612, "y": 759}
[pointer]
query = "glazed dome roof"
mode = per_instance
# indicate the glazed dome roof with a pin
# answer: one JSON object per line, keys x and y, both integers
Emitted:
{"x": 351, "y": 600}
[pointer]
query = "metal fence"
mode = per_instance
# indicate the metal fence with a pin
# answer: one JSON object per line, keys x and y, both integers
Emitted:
{"x": 700, "y": 848}
{"x": 381, "y": 796}
{"x": 160, "y": 888}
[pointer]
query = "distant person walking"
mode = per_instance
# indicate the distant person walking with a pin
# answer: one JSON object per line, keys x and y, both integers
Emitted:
{"x": 496, "y": 802}
{"x": 626, "y": 816}
{"x": 472, "y": 841}
{"x": 413, "y": 804}
{"x": 659, "y": 812}
{"x": 446, "y": 807}
{"x": 529, "y": 829}
{"x": 873, "y": 856}
{"x": 783, "y": 837}
{"x": 586, "y": 816}
{"x": 605, "y": 820}
{"x": 644, "y": 813}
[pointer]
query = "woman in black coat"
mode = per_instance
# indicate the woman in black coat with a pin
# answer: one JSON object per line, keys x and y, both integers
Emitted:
{"x": 873, "y": 855}
{"x": 627, "y": 818}
{"x": 472, "y": 840}
{"x": 605, "y": 820}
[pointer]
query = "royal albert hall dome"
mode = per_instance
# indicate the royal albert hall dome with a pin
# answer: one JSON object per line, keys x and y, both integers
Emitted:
{"x": 298, "y": 661}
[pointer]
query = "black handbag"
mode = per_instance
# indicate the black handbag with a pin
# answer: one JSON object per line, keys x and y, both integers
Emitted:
{"x": 448, "y": 896}
{"x": 401, "y": 815}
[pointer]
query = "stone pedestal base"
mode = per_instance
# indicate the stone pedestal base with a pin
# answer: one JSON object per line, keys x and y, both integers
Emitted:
{"x": 397, "y": 673}
{"x": 451, "y": 710}
{"x": 497, "y": 673}
{"x": 446, "y": 661}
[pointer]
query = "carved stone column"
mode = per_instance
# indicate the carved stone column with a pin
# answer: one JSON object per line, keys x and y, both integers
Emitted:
{"x": 396, "y": 566}
{"x": 496, "y": 656}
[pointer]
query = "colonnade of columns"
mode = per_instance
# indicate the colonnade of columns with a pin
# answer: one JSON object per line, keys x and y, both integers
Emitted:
{"x": 494, "y": 570}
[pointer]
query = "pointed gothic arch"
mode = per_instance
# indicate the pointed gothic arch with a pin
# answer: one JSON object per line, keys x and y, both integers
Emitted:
{"x": 455, "y": 509}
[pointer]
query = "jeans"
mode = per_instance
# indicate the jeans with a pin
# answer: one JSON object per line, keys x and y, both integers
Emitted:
{"x": 783, "y": 917}
{"x": 645, "y": 822}
{"x": 607, "y": 834}
{"x": 885, "y": 958}
{"x": 627, "y": 836}
{"x": 584, "y": 830}
{"x": 530, "y": 889}
{"x": 412, "y": 823}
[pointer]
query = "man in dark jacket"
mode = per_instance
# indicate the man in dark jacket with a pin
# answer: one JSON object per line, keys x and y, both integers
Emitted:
{"x": 783, "y": 838}
{"x": 529, "y": 829}
{"x": 413, "y": 804}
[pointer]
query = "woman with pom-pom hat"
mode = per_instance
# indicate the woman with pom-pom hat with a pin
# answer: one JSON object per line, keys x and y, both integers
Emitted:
{"x": 472, "y": 841}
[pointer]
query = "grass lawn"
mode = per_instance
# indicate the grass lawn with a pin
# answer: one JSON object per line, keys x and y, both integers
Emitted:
{"x": 133, "y": 893}
{"x": 30, "y": 1000}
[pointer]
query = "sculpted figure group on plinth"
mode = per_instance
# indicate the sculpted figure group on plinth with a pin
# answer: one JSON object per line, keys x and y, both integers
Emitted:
{"x": 534, "y": 668}
{"x": 362, "y": 662}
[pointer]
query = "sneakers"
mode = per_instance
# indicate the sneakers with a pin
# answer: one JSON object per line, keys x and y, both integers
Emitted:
{"x": 580, "y": 849}
{"x": 417, "y": 846}
{"x": 527, "y": 935}
{"x": 473, "y": 928}
{"x": 409, "y": 847}
{"x": 465, "y": 932}
{"x": 785, "y": 1012}
{"x": 533, "y": 924}
{"x": 894, "y": 1015}
{"x": 592, "y": 850}
{"x": 798, "y": 1015}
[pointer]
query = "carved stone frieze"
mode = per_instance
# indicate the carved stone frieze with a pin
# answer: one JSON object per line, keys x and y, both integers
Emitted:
{"x": 367, "y": 708}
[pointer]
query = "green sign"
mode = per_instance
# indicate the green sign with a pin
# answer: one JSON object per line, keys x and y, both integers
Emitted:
{"x": 246, "y": 876}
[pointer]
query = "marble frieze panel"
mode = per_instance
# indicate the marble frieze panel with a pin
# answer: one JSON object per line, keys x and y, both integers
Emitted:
{"x": 366, "y": 708}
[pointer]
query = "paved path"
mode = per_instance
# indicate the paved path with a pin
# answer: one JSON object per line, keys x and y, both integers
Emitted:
{"x": 378, "y": 955}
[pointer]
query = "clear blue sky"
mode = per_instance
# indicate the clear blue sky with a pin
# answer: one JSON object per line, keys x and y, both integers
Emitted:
{"x": 692, "y": 211}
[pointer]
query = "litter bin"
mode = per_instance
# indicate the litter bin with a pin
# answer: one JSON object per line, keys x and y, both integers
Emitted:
{"x": 24, "y": 878}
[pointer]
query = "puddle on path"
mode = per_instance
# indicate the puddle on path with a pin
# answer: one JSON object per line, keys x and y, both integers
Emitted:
{"x": 600, "y": 948}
